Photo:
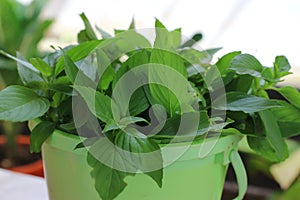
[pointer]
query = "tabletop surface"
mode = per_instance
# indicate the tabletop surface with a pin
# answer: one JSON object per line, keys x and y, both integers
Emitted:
{"x": 16, "y": 186}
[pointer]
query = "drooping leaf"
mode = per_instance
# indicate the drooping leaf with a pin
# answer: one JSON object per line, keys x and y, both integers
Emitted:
{"x": 270, "y": 145}
{"x": 238, "y": 101}
{"x": 19, "y": 103}
{"x": 39, "y": 134}
{"x": 145, "y": 155}
{"x": 109, "y": 182}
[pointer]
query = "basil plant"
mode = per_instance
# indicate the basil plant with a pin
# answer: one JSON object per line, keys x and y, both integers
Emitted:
{"x": 128, "y": 95}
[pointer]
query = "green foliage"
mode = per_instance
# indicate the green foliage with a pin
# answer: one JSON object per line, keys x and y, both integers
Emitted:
{"x": 141, "y": 95}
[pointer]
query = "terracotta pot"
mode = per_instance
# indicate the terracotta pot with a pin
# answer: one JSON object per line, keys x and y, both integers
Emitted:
{"x": 34, "y": 168}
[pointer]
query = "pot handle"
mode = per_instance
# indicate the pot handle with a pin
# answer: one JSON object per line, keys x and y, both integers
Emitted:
{"x": 240, "y": 173}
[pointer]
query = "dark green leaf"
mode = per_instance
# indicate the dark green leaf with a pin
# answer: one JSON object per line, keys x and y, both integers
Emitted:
{"x": 291, "y": 94}
{"x": 288, "y": 118}
{"x": 140, "y": 146}
{"x": 189, "y": 43}
{"x": 238, "y": 101}
{"x": 19, "y": 103}
{"x": 39, "y": 134}
{"x": 271, "y": 146}
{"x": 109, "y": 182}
{"x": 98, "y": 103}
{"x": 246, "y": 64}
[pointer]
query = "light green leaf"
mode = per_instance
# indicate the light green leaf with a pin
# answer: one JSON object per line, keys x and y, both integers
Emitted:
{"x": 19, "y": 103}
{"x": 246, "y": 64}
{"x": 223, "y": 63}
{"x": 39, "y": 134}
{"x": 165, "y": 39}
{"x": 42, "y": 66}
{"x": 77, "y": 53}
{"x": 238, "y": 101}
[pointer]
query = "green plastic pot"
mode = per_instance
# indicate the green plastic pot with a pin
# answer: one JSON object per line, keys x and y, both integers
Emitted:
{"x": 190, "y": 177}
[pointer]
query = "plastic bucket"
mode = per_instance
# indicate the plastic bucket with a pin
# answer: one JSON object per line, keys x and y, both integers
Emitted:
{"x": 190, "y": 177}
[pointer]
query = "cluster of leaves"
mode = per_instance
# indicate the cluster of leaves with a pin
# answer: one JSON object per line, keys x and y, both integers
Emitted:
{"x": 171, "y": 90}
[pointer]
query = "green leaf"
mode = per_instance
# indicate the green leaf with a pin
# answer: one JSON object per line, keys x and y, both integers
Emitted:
{"x": 98, "y": 103}
{"x": 42, "y": 66}
{"x": 138, "y": 102}
{"x": 169, "y": 86}
{"x": 77, "y": 53}
{"x": 88, "y": 28}
{"x": 165, "y": 39}
{"x": 238, "y": 101}
{"x": 19, "y": 103}
{"x": 288, "y": 118}
{"x": 140, "y": 146}
{"x": 223, "y": 63}
{"x": 70, "y": 68}
{"x": 39, "y": 134}
{"x": 291, "y": 94}
{"x": 241, "y": 83}
{"x": 195, "y": 38}
{"x": 246, "y": 64}
{"x": 282, "y": 63}
{"x": 109, "y": 182}
{"x": 274, "y": 146}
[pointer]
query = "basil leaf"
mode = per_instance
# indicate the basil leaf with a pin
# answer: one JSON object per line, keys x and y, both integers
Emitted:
{"x": 139, "y": 146}
{"x": 282, "y": 63}
{"x": 273, "y": 146}
{"x": 26, "y": 73}
{"x": 288, "y": 118}
{"x": 109, "y": 182}
{"x": 291, "y": 94}
{"x": 246, "y": 64}
{"x": 238, "y": 101}
{"x": 224, "y": 62}
{"x": 42, "y": 66}
{"x": 19, "y": 103}
{"x": 77, "y": 53}
{"x": 165, "y": 39}
{"x": 98, "y": 103}
{"x": 39, "y": 134}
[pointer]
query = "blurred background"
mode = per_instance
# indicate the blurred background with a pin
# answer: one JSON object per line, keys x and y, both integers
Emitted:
{"x": 263, "y": 28}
